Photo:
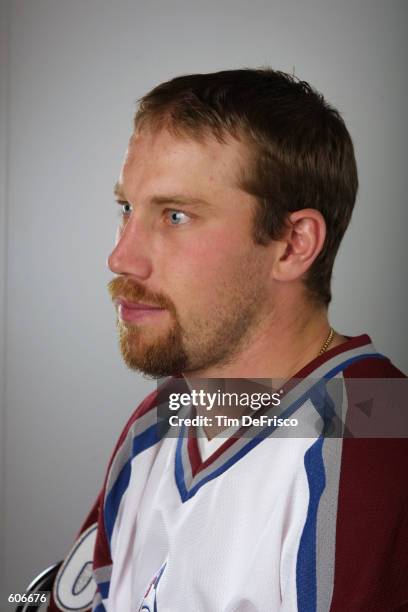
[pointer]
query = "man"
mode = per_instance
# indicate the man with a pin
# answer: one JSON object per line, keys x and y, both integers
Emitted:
{"x": 235, "y": 193}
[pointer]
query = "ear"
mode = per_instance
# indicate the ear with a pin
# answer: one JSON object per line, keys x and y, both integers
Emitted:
{"x": 300, "y": 244}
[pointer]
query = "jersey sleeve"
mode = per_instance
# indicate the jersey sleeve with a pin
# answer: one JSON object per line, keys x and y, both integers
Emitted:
{"x": 371, "y": 560}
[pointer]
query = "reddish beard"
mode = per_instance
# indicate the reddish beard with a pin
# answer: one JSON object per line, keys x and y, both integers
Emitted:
{"x": 158, "y": 356}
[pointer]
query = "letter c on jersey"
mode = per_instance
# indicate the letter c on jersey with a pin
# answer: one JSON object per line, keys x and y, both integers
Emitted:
{"x": 74, "y": 586}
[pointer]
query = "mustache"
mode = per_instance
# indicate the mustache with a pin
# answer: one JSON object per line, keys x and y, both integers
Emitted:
{"x": 135, "y": 292}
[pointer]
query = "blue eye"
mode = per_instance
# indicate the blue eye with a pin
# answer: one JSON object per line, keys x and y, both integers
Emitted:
{"x": 177, "y": 217}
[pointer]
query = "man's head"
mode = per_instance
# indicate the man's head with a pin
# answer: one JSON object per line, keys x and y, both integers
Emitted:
{"x": 237, "y": 188}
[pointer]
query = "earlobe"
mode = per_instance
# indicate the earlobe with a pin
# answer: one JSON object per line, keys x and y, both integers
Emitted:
{"x": 301, "y": 243}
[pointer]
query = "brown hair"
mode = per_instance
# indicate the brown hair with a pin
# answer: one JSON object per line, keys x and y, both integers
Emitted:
{"x": 302, "y": 157}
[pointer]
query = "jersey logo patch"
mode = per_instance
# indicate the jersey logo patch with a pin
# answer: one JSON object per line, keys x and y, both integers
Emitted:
{"x": 74, "y": 586}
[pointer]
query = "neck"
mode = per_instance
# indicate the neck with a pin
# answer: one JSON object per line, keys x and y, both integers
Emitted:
{"x": 277, "y": 349}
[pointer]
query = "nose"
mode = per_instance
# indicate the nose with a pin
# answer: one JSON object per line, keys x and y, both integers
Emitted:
{"x": 130, "y": 255}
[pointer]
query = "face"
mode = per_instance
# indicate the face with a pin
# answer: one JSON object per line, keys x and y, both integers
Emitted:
{"x": 191, "y": 285}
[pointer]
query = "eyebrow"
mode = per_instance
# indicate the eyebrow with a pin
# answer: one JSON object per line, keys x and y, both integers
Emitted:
{"x": 166, "y": 199}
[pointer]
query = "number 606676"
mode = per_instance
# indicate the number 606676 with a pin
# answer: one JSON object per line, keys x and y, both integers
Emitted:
{"x": 40, "y": 597}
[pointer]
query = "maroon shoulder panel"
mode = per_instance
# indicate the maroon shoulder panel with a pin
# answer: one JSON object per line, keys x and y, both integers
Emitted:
{"x": 371, "y": 566}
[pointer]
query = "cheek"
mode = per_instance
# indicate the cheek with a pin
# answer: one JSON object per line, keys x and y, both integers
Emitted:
{"x": 205, "y": 259}
{"x": 204, "y": 273}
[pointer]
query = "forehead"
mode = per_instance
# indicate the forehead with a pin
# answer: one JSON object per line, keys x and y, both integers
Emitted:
{"x": 158, "y": 159}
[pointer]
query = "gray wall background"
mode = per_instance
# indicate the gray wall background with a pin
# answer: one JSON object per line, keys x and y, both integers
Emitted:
{"x": 71, "y": 71}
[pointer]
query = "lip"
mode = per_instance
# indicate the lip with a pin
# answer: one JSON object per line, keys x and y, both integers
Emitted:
{"x": 136, "y": 311}
{"x": 136, "y": 305}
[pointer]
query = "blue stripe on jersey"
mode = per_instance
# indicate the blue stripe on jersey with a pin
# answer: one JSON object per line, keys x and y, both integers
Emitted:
{"x": 103, "y": 588}
{"x": 306, "y": 560}
{"x": 99, "y": 608}
{"x": 345, "y": 364}
{"x": 186, "y": 494}
{"x": 140, "y": 443}
{"x": 178, "y": 467}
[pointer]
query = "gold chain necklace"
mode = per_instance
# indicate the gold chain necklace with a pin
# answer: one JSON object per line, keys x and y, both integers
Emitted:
{"x": 324, "y": 348}
{"x": 327, "y": 342}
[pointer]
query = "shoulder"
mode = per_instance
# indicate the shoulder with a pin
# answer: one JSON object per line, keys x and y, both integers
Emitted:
{"x": 145, "y": 415}
{"x": 376, "y": 410}
{"x": 143, "y": 430}
{"x": 373, "y": 366}
{"x": 373, "y": 488}
{"x": 375, "y": 400}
